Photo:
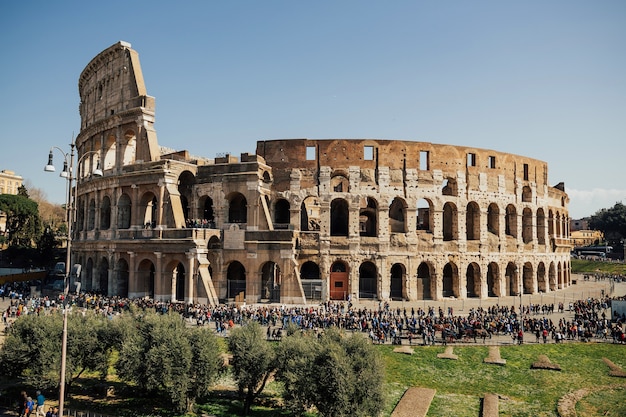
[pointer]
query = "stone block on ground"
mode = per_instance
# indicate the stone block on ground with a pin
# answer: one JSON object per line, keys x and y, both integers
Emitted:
{"x": 614, "y": 369}
{"x": 414, "y": 403}
{"x": 404, "y": 349}
{"x": 543, "y": 362}
{"x": 448, "y": 354}
{"x": 494, "y": 356}
{"x": 490, "y": 405}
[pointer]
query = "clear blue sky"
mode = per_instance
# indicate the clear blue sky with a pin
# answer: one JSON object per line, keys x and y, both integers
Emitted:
{"x": 545, "y": 79}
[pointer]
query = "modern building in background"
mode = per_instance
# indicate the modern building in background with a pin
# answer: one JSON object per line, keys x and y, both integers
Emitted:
{"x": 302, "y": 220}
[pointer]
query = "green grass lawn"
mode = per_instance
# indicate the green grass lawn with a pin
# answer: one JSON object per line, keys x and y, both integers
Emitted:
{"x": 580, "y": 266}
{"x": 461, "y": 384}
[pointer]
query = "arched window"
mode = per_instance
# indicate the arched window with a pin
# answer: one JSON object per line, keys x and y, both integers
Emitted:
{"x": 105, "y": 213}
{"x": 339, "y": 217}
{"x": 397, "y": 216}
{"x": 123, "y": 212}
{"x": 237, "y": 209}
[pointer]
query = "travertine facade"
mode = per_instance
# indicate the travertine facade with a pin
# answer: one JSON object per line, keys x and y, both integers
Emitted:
{"x": 303, "y": 219}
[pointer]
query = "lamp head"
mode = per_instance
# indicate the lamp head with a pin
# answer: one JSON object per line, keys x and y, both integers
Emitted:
{"x": 50, "y": 166}
{"x": 98, "y": 171}
{"x": 66, "y": 172}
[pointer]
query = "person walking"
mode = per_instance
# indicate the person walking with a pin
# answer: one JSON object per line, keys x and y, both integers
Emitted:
{"x": 40, "y": 402}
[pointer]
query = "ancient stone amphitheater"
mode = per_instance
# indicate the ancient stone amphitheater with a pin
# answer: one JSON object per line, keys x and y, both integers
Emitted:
{"x": 302, "y": 220}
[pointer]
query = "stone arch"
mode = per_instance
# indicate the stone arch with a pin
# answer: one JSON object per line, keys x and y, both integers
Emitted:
{"x": 511, "y": 221}
{"x": 120, "y": 287}
{"x": 101, "y": 283}
{"x": 339, "y": 279}
{"x": 449, "y": 187}
{"x": 145, "y": 276}
{"x": 552, "y": 277}
{"x": 397, "y": 289}
{"x": 541, "y": 227}
{"x": 270, "y": 282}
{"x": 186, "y": 182}
{"x": 148, "y": 205}
{"x": 80, "y": 214}
{"x": 124, "y": 207}
{"x": 368, "y": 217}
{"x": 311, "y": 280}
{"x": 105, "y": 213}
{"x": 550, "y": 223}
{"x": 424, "y": 281}
{"x": 237, "y": 208}
{"x": 493, "y": 219}
{"x": 450, "y": 222}
{"x": 528, "y": 278}
{"x": 109, "y": 150}
{"x": 425, "y": 215}
{"x": 450, "y": 286}
{"x": 472, "y": 221}
{"x": 397, "y": 215}
{"x": 527, "y": 194}
{"x": 542, "y": 283}
{"x": 282, "y": 213}
{"x": 129, "y": 148}
{"x": 214, "y": 243}
{"x": 510, "y": 280}
{"x": 493, "y": 280}
{"x": 267, "y": 178}
{"x": 368, "y": 280}
{"x": 339, "y": 183}
{"x": 310, "y": 214}
{"x": 527, "y": 225}
{"x": 88, "y": 278}
{"x": 91, "y": 215}
{"x": 235, "y": 279}
{"x": 473, "y": 281}
{"x": 339, "y": 216}
{"x": 205, "y": 205}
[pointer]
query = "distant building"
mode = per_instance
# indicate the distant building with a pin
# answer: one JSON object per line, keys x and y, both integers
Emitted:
{"x": 579, "y": 224}
{"x": 9, "y": 184}
{"x": 302, "y": 220}
{"x": 586, "y": 237}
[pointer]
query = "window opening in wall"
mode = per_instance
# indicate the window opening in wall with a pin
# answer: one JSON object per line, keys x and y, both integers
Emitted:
{"x": 471, "y": 159}
{"x": 368, "y": 153}
{"x": 424, "y": 161}
{"x": 492, "y": 162}
{"x": 310, "y": 153}
{"x": 525, "y": 172}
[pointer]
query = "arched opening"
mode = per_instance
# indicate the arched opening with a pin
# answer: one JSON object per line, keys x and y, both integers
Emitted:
{"x": 424, "y": 215}
{"x": 282, "y": 214}
{"x": 184, "y": 202}
{"x": 510, "y": 280}
{"x": 450, "y": 226}
{"x": 123, "y": 212}
{"x": 91, "y": 222}
{"x": 340, "y": 184}
{"x": 310, "y": 214}
{"x": 493, "y": 219}
{"x": 472, "y": 276}
{"x": 552, "y": 277}
{"x": 145, "y": 279}
{"x": 121, "y": 285}
{"x": 339, "y": 217}
{"x": 527, "y": 194}
{"x": 541, "y": 227}
{"x": 270, "y": 282}
{"x": 542, "y": 284}
{"x": 368, "y": 217}
{"x": 105, "y": 213}
{"x": 87, "y": 279}
{"x": 100, "y": 283}
{"x": 179, "y": 274}
{"x": 449, "y": 186}
{"x": 108, "y": 161}
{"x": 528, "y": 278}
{"x": 236, "y": 279}
{"x": 397, "y": 281}
{"x": 129, "y": 148}
{"x": 149, "y": 206}
{"x": 397, "y": 216}
{"x": 450, "y": 280}
{"x": 339, "y": 281}
{"x": 208, "y": 215}
{"x": 527, "y": 225}
{"x": 511, "y": 221}
{"x": 423, "y": 282}
{"x": 472, "y": 221}
{"x": 237, "y": 208}
{"x": 186, "y": 182}
{"x": 493, "y": 280}
{"x": 368, "y": 278}
{"x": 214, "y": 243}
{"x": 311, "y": 280}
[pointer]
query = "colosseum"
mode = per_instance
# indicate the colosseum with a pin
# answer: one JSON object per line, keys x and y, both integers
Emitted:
{"x": 302, "y": 220}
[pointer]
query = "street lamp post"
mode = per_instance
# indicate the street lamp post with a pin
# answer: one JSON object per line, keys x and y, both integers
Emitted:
{"x": 67, "y": 173}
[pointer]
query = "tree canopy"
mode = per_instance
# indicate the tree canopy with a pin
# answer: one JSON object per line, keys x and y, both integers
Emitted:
{"x": 23, "y": 222}
{"x": 611, "y": 221}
